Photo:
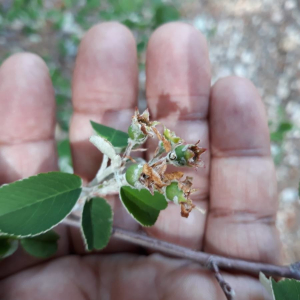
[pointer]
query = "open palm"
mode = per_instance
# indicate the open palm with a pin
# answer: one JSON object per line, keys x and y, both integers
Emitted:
{"x": 237, "y": 187}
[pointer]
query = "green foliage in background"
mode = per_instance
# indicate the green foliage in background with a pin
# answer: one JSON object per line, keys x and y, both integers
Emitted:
{"x": 278, "y": 134}
{"x": 65, "y": 22}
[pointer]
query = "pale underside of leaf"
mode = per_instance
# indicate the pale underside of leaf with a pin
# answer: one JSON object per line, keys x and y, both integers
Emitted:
{"x": 117, "y": 138}
{"x": 103, "y": 145}
{"x": 266, "y": 283}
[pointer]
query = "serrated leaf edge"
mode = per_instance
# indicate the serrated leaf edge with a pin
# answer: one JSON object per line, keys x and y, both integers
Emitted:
{"x": 32, "y": 235}
{"x": 24, "y": 179}
{"x": 38, "y": 175}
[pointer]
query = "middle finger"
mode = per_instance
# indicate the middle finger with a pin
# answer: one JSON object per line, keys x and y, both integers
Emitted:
{"x": 178, "y": 85}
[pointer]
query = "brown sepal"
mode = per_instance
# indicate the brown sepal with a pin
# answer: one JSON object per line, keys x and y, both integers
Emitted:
{"x": 166, "y": 143}
{"x": 173, "y": 176}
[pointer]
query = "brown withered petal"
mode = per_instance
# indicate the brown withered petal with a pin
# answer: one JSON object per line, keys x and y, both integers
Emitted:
{"x": 161, "y": 168}
{"x": 186, "y": 185}
{"x": 186, "y": 208}
{"x": 166, "y": 143}
{"x": 144, "y": 117}
{"x": 153, "y": 176}
{"x": 143, "y": 129}
{"x": 173, "y": 176}
{"x": 130, "y": 158}
{"x": 197, "y": 151}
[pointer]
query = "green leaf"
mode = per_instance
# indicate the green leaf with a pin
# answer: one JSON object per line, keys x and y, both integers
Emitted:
{"x": 96, "y": 222}
{"x": 285, "y": 126}
{"x": 44, "y": 245}
{"x": 117, "y": 138}
{"x": 277, "y": 136}
{"x": 64, "y": 156}
{"x": 127, "y": 6}
{"x": 34, "y": 205}
{"x": 7, "y": 247}
{"x": 165, "y": 13}
{"x": 286, "y": 289}
{"x": 143, "y": 206}
{"x": 282, "y": 129}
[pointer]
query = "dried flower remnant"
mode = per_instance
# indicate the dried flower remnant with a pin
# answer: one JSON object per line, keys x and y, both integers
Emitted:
{"x": 140, "y": 127}
{"x": 179, "y": 192}
{"x": 166, "y": 144}
{"x": 152, "y": 175}
{"x": 186, "y": 155}
{"x": 152, "y": 179}
{"x": 170, "y": 150}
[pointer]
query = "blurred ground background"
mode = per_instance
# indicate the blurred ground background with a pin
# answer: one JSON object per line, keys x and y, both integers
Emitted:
{"x": 256, "y": 39}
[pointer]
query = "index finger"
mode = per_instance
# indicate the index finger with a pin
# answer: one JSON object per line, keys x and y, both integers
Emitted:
{"x": 104, "y": 90}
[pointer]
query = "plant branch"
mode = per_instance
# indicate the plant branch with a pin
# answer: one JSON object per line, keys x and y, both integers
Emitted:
{"x": 227, "y": 289}
{"x": 205, "y": 259}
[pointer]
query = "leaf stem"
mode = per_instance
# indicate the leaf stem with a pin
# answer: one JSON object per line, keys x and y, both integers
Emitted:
{"x": 207, "y": 260}
{"x": 105, "y": 173}
{"x": 102, "y": 168}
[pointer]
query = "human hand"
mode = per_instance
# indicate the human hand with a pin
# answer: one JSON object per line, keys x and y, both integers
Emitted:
{"x": 237, "y": 187}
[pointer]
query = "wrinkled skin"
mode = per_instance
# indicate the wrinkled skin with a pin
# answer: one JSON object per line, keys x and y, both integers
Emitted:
{"x": 237, "y": 186}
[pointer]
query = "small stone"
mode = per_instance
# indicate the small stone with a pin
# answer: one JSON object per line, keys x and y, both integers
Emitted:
{"x": 240, "y": 70}
{"x": 283, "y": 89}
{"x": 35, "y": 38}
{"x": 247, "y": 57}
{"x": 289, "y": 5}
{"x": 277, "y": 17}
{"x": 289, "y": 195}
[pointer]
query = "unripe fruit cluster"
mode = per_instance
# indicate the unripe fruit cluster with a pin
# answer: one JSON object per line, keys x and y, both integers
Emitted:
{"x": 172, "y": 191}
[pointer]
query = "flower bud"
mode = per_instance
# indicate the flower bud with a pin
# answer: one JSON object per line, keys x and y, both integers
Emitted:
{"x": 174, "y": 193}
{"x": 133, "y": 174}
{"x": 171, "y": 136}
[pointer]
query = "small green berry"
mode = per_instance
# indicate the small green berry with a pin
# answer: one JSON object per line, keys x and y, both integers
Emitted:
{"x": 133, "y": 174}
{"x": 180, "y": 155}
{"x": 135, "y": 133}
{"x": 186, "y": 155}
{"x": 174, "y": 193}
